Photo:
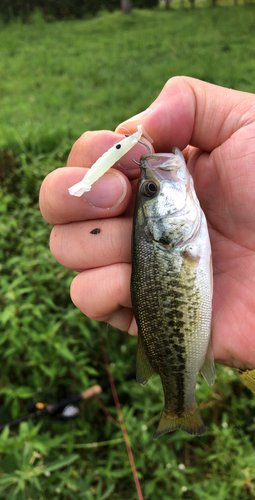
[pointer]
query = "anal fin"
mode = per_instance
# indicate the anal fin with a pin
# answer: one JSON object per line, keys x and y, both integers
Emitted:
{"x": 144, "y": 370}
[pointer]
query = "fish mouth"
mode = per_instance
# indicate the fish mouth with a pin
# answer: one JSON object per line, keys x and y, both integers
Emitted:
{"x": 167, "y": 166}
{"x": 162, "y": 161}
{"x": 161, "y": 168}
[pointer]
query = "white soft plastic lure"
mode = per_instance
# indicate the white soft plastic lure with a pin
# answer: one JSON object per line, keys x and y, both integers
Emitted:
{"x": 106, "y": 161}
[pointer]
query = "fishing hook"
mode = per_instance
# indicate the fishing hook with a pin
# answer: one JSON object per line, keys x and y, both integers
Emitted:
{"x": 144, "y": 144}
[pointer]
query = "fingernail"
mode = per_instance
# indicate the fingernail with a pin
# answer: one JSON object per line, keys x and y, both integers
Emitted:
{"x": 107, "y": 192}
{"x": 135, "y": 118}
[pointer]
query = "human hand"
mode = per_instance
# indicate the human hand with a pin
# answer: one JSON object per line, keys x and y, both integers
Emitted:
{"x": 216, "y": 129}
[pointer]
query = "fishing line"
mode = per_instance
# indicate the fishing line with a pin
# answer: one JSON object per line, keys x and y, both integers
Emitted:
{"x": 122, "y": 423}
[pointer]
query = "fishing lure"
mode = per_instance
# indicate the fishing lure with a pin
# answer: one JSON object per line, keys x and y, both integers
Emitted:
{"x": 106, "y": 161}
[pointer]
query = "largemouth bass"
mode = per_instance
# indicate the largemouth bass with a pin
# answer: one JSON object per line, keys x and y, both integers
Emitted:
{"x": 171, "y": 288}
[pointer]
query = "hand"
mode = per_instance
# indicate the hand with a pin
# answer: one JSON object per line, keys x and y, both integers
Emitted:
{"x": 216, "y": 129}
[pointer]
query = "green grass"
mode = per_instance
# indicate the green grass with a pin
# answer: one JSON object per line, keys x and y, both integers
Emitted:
{"x": 58, "y": 80}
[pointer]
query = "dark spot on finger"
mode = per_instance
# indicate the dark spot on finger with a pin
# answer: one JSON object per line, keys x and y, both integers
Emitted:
{"x": 95, "y": 231}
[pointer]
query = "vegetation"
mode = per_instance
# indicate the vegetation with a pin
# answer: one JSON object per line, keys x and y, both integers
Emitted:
{"x": 58, "y": 80}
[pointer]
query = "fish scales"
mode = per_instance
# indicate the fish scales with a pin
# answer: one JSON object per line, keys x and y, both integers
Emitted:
{"x": 171, "y": 290}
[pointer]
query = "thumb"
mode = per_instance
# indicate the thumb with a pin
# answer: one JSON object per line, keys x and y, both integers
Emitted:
{"x": 190, "y": 111}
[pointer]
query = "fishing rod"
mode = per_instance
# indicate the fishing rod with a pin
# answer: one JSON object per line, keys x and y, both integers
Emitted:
{"x": 66, "y": 410}
{"x": 42, "y": 409}
{"x": 66, "y": 407}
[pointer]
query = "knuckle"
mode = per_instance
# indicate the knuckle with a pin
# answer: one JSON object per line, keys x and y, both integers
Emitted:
{"x": 122, "y": 280}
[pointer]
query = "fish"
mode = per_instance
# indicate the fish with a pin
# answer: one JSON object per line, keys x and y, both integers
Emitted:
{"x": 171, "y": 288}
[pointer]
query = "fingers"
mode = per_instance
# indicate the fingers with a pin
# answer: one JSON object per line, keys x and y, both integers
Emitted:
{"x": 103, "y": 294}
{"x": 110, "y": 195}
{"x": 189, "y": 111}
{"x": 87, "y": 245}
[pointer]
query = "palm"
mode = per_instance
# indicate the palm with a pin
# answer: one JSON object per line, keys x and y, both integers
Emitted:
{"x": 225, "y": 184}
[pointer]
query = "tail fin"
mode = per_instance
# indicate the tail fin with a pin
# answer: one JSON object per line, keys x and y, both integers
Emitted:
{"x": 190, "y": 422}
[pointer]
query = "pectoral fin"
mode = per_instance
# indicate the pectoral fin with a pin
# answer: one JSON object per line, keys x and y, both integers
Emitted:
{"x": 144, "y": 370}
{"x": 208, "y": 368}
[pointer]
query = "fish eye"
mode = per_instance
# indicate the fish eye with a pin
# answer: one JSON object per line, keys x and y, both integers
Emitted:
{"x": 118, "y": 146}
{"x": 149, "y": 189}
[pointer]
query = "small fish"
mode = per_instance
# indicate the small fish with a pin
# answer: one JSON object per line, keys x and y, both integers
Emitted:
{"x": 171, "y": 288}
{"x": 106, "y": 161}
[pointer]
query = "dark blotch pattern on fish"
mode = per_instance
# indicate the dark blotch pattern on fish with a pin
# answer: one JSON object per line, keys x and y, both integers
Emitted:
{"x": 164, "y": 335}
